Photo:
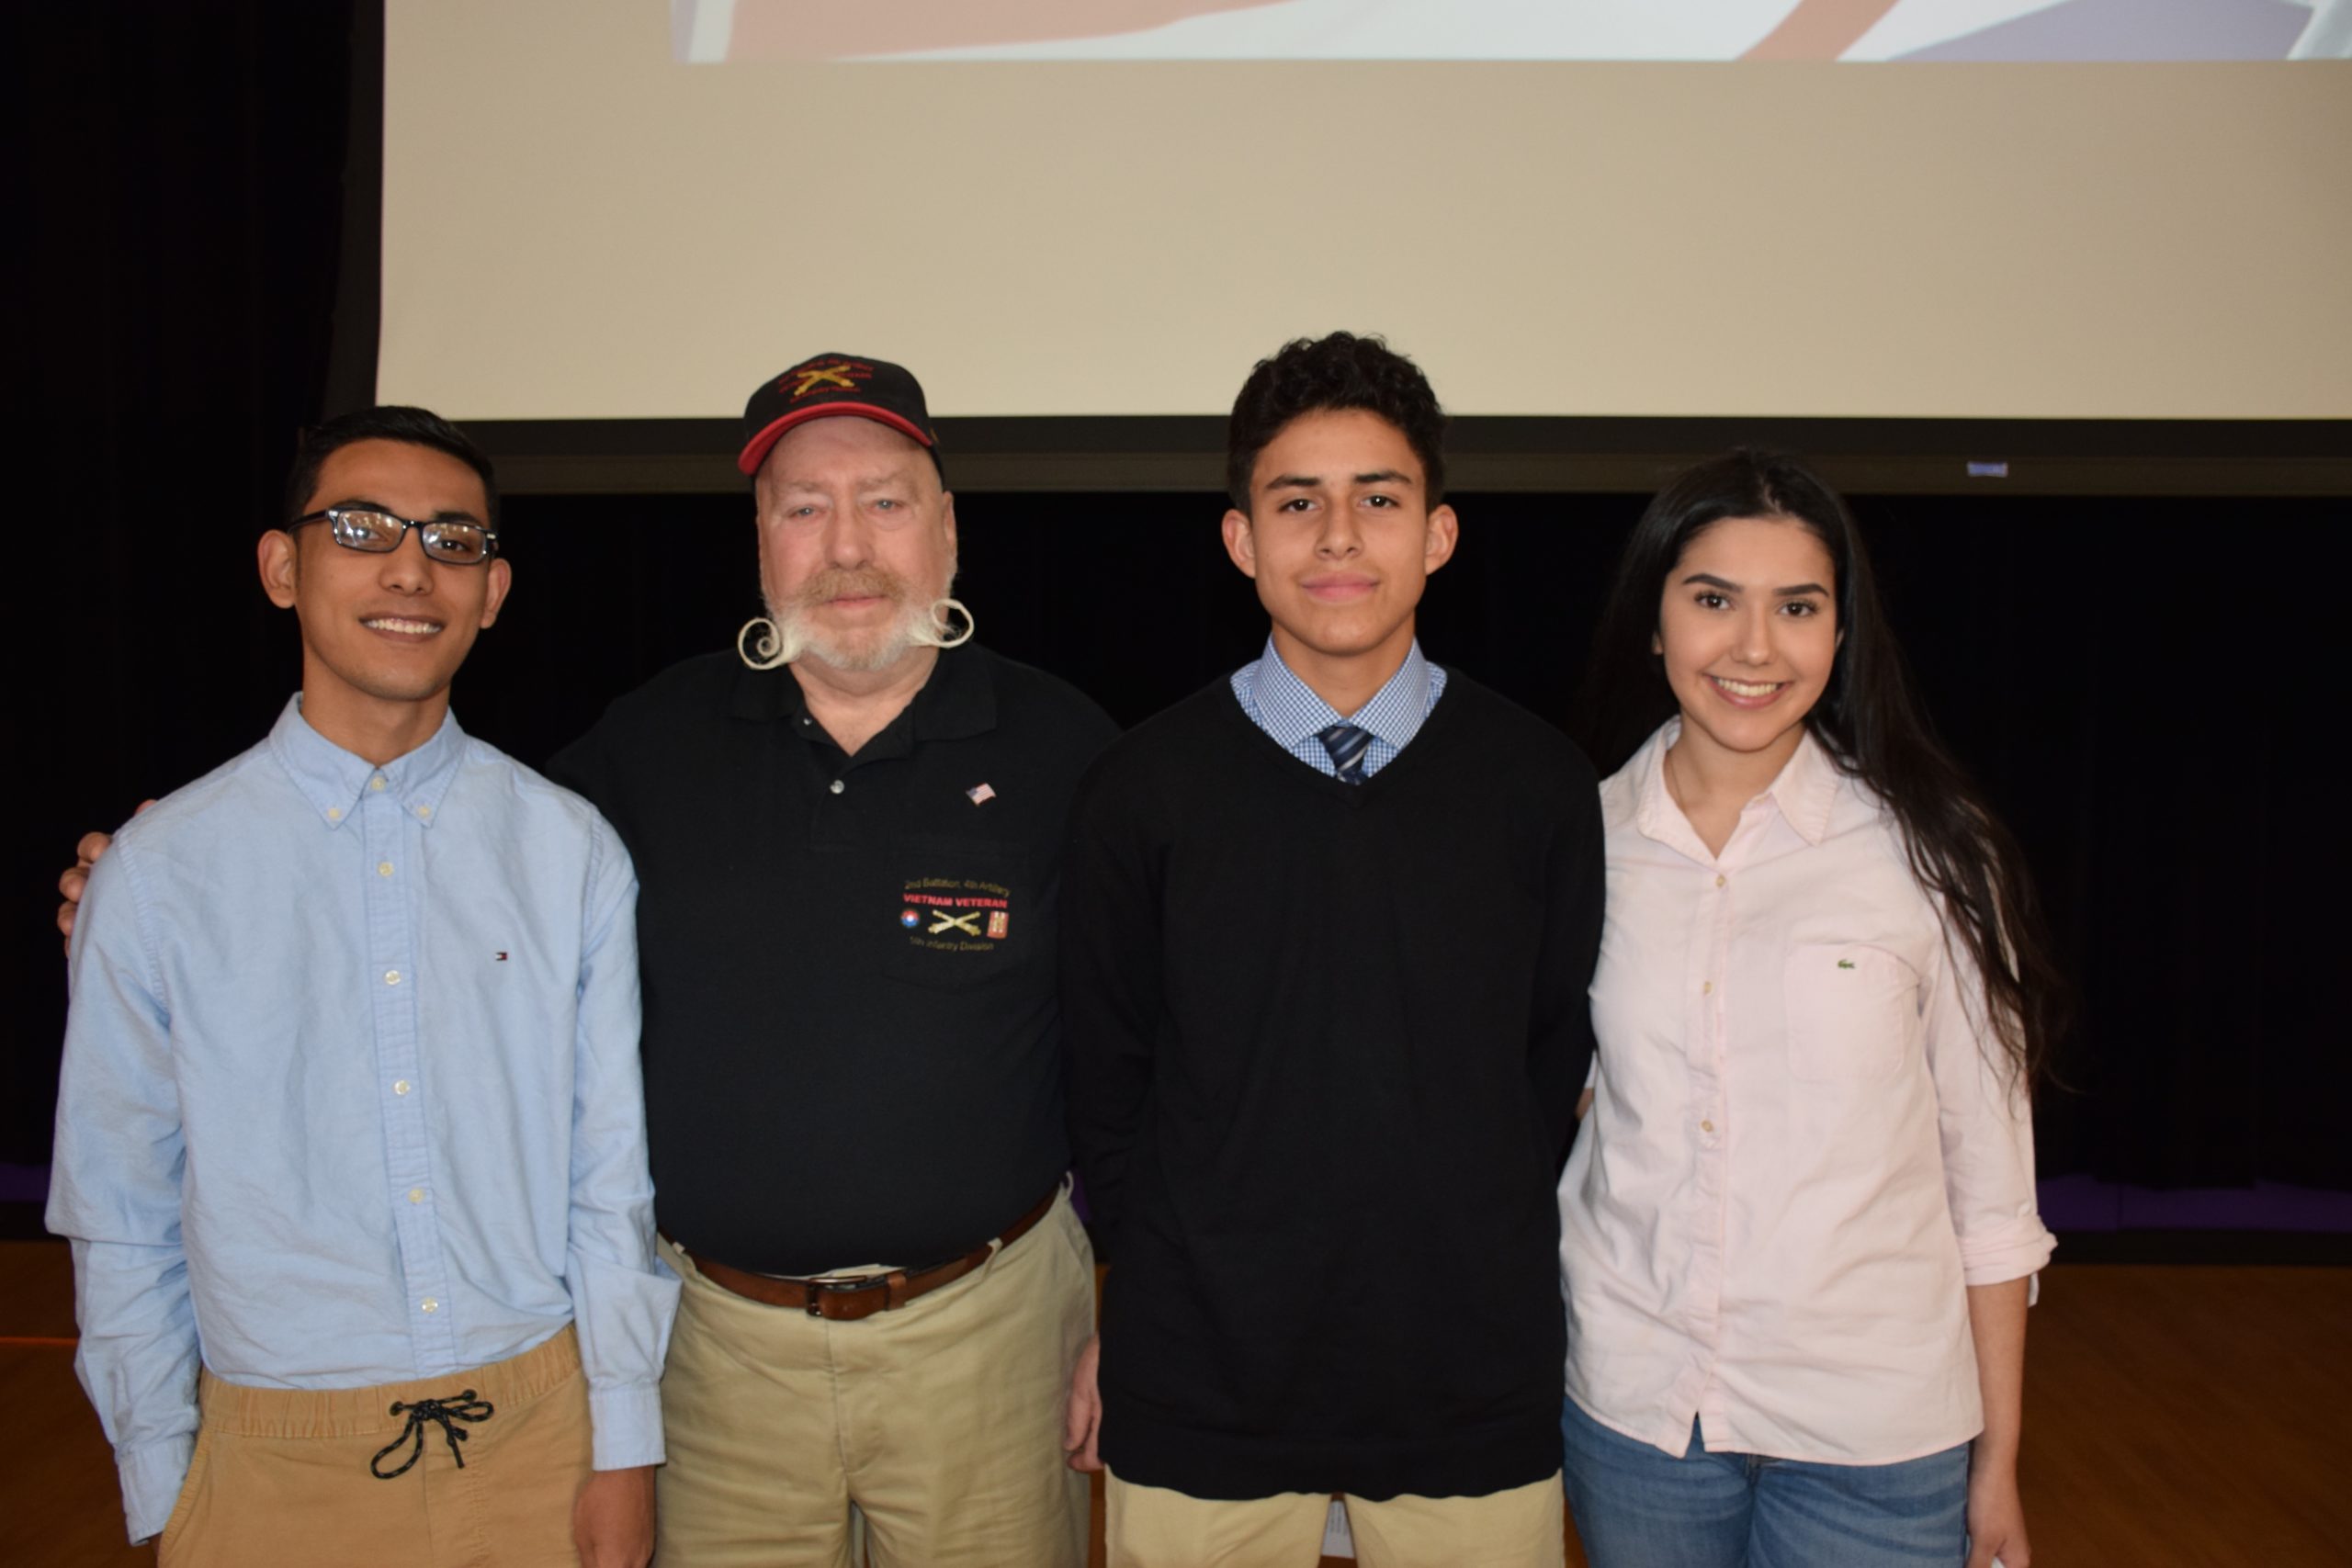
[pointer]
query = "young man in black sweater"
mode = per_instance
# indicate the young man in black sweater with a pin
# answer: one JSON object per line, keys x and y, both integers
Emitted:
{"x": 1326, "y": 931}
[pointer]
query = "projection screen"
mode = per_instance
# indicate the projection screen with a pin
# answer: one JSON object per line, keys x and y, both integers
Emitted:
{"x": 2092, "y": 210}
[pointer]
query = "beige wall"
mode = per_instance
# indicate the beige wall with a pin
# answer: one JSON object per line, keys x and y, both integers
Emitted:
{"x": 576, "y": 227}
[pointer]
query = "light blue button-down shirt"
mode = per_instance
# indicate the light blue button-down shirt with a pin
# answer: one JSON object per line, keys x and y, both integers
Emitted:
{"x": 351, "y": 1095}
{"x": 1286, "y": 708}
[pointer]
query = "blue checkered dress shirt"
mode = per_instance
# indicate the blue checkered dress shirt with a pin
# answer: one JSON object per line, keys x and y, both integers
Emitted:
{"x": 1286, "y": 707}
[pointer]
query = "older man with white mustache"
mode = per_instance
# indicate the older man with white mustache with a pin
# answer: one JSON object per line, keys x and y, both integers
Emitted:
{"x": 858, "y": 544}
{"x": 848, "y": 832}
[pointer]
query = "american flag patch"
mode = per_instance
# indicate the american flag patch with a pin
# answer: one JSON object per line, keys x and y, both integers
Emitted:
{"x": 982, "y": 794}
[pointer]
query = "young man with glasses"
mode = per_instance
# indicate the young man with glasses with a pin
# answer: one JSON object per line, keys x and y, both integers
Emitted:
{"x": 350, "y": 1137}
{"x": 1327, "y": 928}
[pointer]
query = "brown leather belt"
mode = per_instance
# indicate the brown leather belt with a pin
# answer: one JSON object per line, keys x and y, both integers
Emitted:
{"x": 862, "y": 1295}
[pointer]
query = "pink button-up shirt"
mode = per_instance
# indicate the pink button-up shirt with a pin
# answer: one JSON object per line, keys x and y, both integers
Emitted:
{"x": 1803, "y": 1143}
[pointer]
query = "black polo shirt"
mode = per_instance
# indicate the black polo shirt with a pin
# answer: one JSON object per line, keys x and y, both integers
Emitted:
{"x": 852, "y": 1049}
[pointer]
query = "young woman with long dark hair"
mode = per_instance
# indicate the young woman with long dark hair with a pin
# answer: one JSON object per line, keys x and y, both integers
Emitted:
{"x": 1799, "y": 1223}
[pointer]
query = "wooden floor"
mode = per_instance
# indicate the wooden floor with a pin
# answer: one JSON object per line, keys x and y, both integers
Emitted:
{"x": 2176, "y": 1417}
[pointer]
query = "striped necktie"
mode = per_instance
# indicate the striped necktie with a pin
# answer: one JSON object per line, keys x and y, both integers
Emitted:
{"x": 1347, "y": 745}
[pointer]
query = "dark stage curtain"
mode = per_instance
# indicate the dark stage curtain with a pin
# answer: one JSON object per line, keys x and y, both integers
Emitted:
{"x": 2144, "y": 717}
{"x": 2142, "y": 686}
{"x": 176, "y": 195}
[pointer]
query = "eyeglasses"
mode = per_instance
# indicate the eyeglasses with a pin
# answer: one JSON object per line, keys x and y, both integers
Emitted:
{"x": 381, "y": 532}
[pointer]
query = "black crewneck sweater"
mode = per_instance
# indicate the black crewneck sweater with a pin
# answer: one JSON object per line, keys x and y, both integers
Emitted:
{"x": 1325, "y": 1042}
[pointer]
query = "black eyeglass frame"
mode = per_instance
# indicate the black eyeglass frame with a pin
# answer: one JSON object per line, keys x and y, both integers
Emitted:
{"x": 429, "y": 533}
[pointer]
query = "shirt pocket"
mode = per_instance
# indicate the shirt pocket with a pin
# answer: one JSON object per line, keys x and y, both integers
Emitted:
{"x": 1851, "y": 1010}
{"x": 953, "y": 914}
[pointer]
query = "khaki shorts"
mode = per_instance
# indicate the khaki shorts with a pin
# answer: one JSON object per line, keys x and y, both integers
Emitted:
{"x": 281, "y": 1478}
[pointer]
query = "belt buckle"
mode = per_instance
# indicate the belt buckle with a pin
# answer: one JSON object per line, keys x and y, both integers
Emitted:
{"x": 820, "y": 1289}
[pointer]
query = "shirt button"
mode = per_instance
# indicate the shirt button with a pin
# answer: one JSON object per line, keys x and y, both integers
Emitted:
{"x": 416, "y": 1195}
{"x": 837, "y": 787}
{"x": 424, "y": 811}
{"x": 1703, "y": 1127}
{"x": 1720, "y": 879}
{"x": 400, "y": 1085}
{"x": 334, "y": 813}
{"x": 391, "y": 976}
{"x": 428, "y": 1304}
{"x": 377, "y": 783}
{"x": 384, "y": 868}
{"x": 1706, "y": 988}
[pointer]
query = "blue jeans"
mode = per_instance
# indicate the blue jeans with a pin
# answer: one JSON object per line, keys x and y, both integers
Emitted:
{"x": 1635, "y": 1507}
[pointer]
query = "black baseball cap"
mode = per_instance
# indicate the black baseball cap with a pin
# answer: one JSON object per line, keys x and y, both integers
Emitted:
{"x": 829, "y": 384}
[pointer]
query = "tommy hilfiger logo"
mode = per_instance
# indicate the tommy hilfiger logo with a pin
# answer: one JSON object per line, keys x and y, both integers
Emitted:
{"x": 499, "y": 957}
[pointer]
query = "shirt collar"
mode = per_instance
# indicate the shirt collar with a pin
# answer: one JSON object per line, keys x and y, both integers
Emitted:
{"x": 333, "y": 780}
{"x": 1807, "y": 788}
{"x": 1802, "y": 791}
{"x": 1291, "y": 710}
{"x": 958, "y": 700}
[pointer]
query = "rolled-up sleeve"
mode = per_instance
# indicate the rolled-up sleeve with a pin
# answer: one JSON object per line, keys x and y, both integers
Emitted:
{"x": 115, "y": 1192}
{"x": 1986, "y": 1125}
{"x": 623, "y": 1298}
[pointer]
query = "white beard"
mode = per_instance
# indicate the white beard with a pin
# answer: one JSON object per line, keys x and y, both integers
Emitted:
{"x": 792, "y": 630}
{"x": 798, "y": 637}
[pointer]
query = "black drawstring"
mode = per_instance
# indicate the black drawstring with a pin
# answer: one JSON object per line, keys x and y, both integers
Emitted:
{"x": 465, "y": 1407}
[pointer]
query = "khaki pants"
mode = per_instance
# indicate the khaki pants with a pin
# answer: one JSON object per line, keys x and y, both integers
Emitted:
{"x": 281, "y": 1477}
{"x": 1150, "y": 1527}
{"x": 940, "y": 1424}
